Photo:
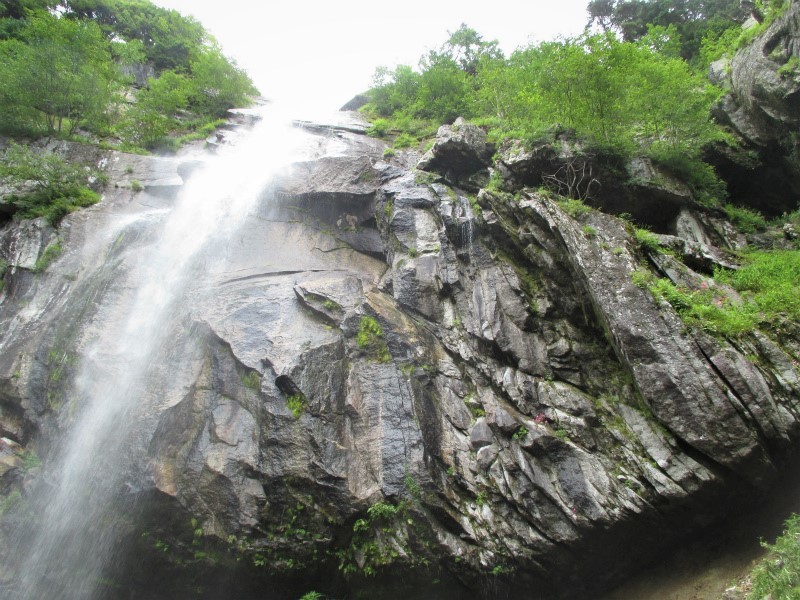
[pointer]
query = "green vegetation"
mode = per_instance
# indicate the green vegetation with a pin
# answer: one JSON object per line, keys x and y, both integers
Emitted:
{"x": 778, "y": 575}
{"x": 297, "y": 404}
{"x": 376, "y": 540}
{"x": 48, "y": 186}
{"x": 252, "y": 381}
{"x": 63, "y": 68}
{"x": 370, "y": 339}
{"x": 693, "y": 20}
{"x": 3, "y": 269}
{"x": 50, "y": 254}
{"x": 623, "y": 97}
{"x": 767, "y": 284}
{"x": 574, "y": 208}
{"x": 746, "y": 220}
{"x": 520, "y": 433}
{"x": 647, "y": 240}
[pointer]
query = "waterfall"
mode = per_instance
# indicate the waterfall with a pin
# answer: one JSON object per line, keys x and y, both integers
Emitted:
{"x": 74, "y": 500}
{"x": 466, "y": 223}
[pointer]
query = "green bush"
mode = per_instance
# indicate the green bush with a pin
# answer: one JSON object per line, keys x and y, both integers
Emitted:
{"x": 778, "y": 575}
{"x": 647, "y": 240}
{"x": 574, "y": 208}
{"x": 297, "y": 404}
{"x": 370, "y": 338}
{"x": 379, "y": 128}
{"x": 746, "y": 220}
{"x": 56, "y": 186}
{"x": 767, "y": 283}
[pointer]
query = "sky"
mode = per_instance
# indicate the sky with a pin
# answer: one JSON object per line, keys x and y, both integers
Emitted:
{"x": 317, "y": 54}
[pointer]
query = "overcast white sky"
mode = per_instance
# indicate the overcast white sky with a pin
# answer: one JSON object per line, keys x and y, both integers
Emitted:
{"x": 318, "y": 53}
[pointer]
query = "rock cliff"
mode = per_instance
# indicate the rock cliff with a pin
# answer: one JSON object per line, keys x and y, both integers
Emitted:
{"x": 402, "y": 380}
{"x": 762, "y": 110}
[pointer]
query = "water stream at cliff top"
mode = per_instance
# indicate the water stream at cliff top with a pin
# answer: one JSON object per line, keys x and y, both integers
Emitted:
{"x": 74, "y": 499}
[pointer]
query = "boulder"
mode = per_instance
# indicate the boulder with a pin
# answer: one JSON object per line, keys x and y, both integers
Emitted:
{"x": 460, "y": 150}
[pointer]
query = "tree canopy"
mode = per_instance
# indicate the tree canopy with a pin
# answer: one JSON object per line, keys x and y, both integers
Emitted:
{"x": 60, "y": 70}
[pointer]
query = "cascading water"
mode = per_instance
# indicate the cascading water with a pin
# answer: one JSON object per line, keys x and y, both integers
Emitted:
{"x": 74, "y": 501}
{"x": 467, "y": 220}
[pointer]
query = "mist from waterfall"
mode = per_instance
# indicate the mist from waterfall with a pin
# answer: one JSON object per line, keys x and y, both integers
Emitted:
{"x": 74, "y": 499}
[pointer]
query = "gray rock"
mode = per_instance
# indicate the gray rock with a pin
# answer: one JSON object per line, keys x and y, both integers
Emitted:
{"x": 481, "y": 434}
{"x": 460, "y": 150}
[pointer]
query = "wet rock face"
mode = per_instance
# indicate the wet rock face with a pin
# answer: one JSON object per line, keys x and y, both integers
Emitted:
{"x": 763, "y": 110}
{"x": 385, "y": 374}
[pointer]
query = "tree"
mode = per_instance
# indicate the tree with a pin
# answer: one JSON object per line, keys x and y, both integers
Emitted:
{"x": 171, "y": 41}
{"x": 693, "y": 19}
{"x": 46, "y": 184}
{"x": 219, "y": 84}
{"x": 466, "y": 47}
{"x": 152, "y": 117}
{"x": 58, "y": 75}
{"x": 444, "y": 91}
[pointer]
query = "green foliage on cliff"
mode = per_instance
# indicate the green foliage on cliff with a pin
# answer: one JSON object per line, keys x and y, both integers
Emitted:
{"x": 62, "y": 68}
{"x": 693, "y": 20}
{"x": 766, "y": 285}
{"x": 47, "y": 184}
{"x": 778, "y": 575}
{"x": 626, "y": 97}
{"x": 55, "y": 75}
{"x": 370, "y": 339}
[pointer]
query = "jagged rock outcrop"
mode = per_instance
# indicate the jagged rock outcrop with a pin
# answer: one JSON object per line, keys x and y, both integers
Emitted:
{"x": 763, "y": 111}
{"x": 384, "y": 374}
{"x": 460, "y": 153}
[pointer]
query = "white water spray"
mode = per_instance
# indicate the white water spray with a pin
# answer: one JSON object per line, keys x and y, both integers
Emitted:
{"x": 74, "y": 540}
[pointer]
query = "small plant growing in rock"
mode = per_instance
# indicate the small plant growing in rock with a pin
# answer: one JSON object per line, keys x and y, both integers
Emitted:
{"x": 589, "y": 231}
{"x": 647, "y": 240}
{"x": 642, "y": 278}
{"x": 331, "y": 305}
{"x": 412, "y": 252}
{"x": 52, "y": 252}
{"x": 297, "y": 404}
{"x": 520, "y": 434}
{"x": 561, "y": 434}
{"x": 136, "y": 185}
{"x": 574, "y": 208}
{"x": 388, "y": 153}
{"x": 252, "y": 381}
{"x": 370, "y": 338}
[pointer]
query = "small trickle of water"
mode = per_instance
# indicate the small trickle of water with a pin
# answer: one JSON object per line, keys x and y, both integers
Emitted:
{"x": 466, "y": 223}
{"x": 74, "y": 501}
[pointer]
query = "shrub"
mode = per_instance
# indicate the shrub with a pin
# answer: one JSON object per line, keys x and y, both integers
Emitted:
{"x": 56, "y": 187}
{"x": 370, "y": 338}
{"x": 767, "y": 283}
{"x": 404, "y": 140}
{"x": 574, "y": 208}
{"x": 647, "y": 240}
{"x": 778, "y": 575}
{"x": 379, "y": 128}
{"x": 745, "y": 219}
{"x": 297, "y": 404}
